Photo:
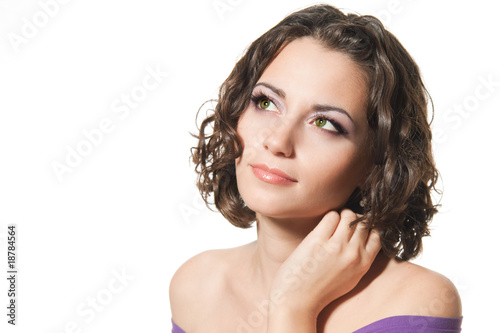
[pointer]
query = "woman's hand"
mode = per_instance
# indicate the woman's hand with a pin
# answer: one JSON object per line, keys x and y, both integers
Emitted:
{"x": 327, "y": 264}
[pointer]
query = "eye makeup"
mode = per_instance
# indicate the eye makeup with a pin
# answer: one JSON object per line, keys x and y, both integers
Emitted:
{"x": 264, "y": 98}
{"x": 321, "y": 120}
{"x": 260, "y": 95}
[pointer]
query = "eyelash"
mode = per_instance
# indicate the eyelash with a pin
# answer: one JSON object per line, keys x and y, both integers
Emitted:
{"x": 336, "y": 125}
{"x": 256, "y": 99}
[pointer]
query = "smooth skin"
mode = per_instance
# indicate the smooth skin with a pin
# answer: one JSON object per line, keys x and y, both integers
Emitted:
{"x": 308, "y": 270}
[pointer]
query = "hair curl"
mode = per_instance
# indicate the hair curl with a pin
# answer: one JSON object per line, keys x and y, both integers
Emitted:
{"x": 397, "y": 191}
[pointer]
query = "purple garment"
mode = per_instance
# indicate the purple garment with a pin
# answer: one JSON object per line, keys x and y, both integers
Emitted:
{"x": 176, "y": 329}
{"x": 413, "y": 324}
{"x": 400, "y": 324}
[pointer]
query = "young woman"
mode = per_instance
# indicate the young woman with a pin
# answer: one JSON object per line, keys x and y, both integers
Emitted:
{"x": 320, "y": 135}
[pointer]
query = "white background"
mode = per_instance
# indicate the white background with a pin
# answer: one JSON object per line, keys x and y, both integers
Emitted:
{"x": 131, "y": 205}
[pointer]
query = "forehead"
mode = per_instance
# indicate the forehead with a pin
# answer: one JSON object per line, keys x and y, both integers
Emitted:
{"x": 306, "y": 69}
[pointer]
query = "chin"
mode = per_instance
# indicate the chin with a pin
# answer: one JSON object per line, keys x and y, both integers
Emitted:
{"x": 281, "y": 209}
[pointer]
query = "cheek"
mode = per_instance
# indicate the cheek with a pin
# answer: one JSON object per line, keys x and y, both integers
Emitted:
{"x": 252, "y": 129}
{"x": 334, "y": 175}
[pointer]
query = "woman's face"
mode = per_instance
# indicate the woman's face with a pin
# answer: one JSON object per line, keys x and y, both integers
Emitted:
{"x": 304, "y": 133}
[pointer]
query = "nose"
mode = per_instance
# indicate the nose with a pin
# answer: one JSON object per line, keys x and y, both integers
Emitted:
{"x": 279, "y": 140}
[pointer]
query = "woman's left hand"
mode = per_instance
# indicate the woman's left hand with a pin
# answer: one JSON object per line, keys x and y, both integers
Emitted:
{"x": 327, "y": 264}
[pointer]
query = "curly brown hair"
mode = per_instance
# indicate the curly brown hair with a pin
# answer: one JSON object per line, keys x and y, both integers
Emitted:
{"x": 397, "y": 192}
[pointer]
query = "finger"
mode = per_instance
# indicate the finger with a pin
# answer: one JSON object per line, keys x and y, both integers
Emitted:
{"x": 344, "y": 230}
{"x": 327, "y": 226}
{"x": 373, "y": 242}
{"x": 360, "y": 233}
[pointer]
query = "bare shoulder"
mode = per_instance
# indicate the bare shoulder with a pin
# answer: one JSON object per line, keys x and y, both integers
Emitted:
{"x": 391, "y": 288}
{"x": 421, "y": 291}
{"x": 192, "y": 284}
{"x": 198, "y": 283}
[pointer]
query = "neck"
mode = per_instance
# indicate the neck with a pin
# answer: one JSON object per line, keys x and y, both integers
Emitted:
{"x": 276, "y": 240}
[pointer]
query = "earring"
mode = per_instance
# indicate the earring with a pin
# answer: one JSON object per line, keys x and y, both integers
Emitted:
{"x": 362, "y": 203}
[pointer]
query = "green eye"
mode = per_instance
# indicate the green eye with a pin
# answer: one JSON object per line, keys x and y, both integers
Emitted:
{"x": 265, "y": 103}
{"x": 328, "y": 125}
{"x": 320, "y": 122}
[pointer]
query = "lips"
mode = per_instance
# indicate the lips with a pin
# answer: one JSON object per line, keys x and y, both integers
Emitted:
{"x": 272, "y": 175}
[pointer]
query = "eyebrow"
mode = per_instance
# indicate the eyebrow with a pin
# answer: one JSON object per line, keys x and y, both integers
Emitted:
{"x": 325, "y": 108}
{"x": 316, "y": 107}
{"x": 275, "y": 90}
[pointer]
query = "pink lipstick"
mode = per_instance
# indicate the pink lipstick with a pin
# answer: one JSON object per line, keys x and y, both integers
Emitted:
{"x": 272, "y": 175}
